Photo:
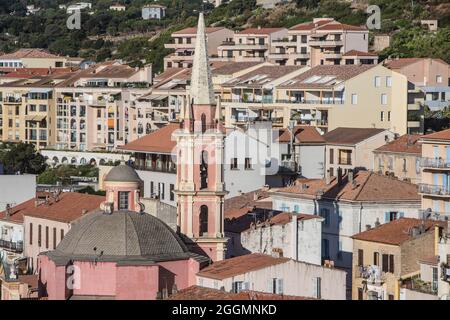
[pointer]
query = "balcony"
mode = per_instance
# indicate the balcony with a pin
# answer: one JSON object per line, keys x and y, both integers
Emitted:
{"x": 371, "y": 274}
{"x": 326, "y": 43}
{"x": 317, "y": 101}
{"x": 426, "y": 214}
{"x": 12, "y": 100}
{"x": 332, "y": 55}
{"x": 231, "y": 45}
{"x": 164, "y": 168}
{"x": 435, "y": 163}
{"x": 266, "y": 99}
{"x": 11, "y": 246}
{"x": 433, "y": 190}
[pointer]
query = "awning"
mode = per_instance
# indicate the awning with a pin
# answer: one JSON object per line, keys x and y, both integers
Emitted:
{"x": 38, "y": 118}
{"x": 157, "y": 97}
{"x": 40, "y": 90}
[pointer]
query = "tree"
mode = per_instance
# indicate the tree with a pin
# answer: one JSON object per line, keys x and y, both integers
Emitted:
{"x": 23, "y": 158}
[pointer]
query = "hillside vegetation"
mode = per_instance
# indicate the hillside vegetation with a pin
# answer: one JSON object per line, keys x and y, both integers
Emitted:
{"x": 47, "y": 29}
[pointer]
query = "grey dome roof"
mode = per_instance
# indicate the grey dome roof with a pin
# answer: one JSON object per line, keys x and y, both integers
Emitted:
{"x": 121, "y": 236}
{"x": 122, "y": 173}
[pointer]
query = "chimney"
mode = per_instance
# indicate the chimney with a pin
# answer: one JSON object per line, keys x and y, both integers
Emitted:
{"x": 350, "y": 176}
{"x": 83, "y": 212}
{"x": 8, "y": 211}
{"x": 377, "y": 223}
{"x": 255, "y": 196}
{"x": 368, "y": 227}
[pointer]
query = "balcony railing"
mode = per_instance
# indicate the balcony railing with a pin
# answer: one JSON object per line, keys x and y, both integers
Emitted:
{"x": 434, "y": 190}
{"x": 302, "y": 101}
{"x": 12, "y": 100}
{"x": 344, "y": 161}
{"x": 164, "y": 169}
{"x": 250, "y": 100}
{"x": 12, "y": 246}
{"x": 437, "y": 163}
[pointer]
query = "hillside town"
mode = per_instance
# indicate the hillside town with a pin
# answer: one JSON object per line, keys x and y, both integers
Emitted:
{"x": 268, "y": 163}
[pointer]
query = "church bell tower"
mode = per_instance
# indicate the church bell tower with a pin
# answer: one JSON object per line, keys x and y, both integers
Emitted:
{"x": 200, "y": 187}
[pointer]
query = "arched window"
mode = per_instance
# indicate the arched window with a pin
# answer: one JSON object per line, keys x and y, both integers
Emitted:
{"x": 64, "y": 160}
{"x": 204, "y": 170}
{"x": 55, "y": 160}
{"x": 203, "y": 118}
{"x": 203, "y": 220}
{"x": 73, "y": 160}
{"x": 83, "y": 161}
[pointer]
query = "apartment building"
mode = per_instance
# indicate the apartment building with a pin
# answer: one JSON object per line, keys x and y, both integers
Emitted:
{"x": 269, "y": 274}
{"x": 351, "y": 148}
{"x": 32, "y": 58}
{"x": 28, "y": 110}
{"x": 250, "y": 45}
{"x": 435, "y": 165}
{"x": 400, "y": 158}
{"x": 348, "y": 203}
{"x": 388, "y": 256}
{"x": 184, "y": 46}
{"x": 323, "y": 41}
{"x": 429, "y": 81}
{"x": 92, "y": 107}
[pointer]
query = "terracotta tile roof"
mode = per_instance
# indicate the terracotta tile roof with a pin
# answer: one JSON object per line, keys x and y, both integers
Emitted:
{"x": 350, "y": 136}
{"x": 400, "y": 63}
{"x": 159, "y": 141}
{"x": 395, "y": 232}
{"x": 303, "y": 135}
{"x": 311, "y": 25}
{"x": 193, "y": 31}
{"x": 233, "y": 67}
{"x": 408, "y": 143}
{"x": 341, "y": 26}
{"x": 431, "y": 260}
{"x": 359, "y": 53}
{"x": 440, "y": 135}
{"x": 367, "y": 187}
{"x": 224, "y": 269}
{"x": 203, "y": 293}
{"x": 335, "y": 75}
{"x": 242, "y": 204}
{"x": 68, "y": 208}
{"x": 29, "y": 53}
{"x": 260, "y": 30}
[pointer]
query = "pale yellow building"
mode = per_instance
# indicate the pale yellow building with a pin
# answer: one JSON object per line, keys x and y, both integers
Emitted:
{"x": 400, "y": 158}
{"x": 387, "y": 254}
{"x": 32, "y": 58}
{"x": 435, "y": 186}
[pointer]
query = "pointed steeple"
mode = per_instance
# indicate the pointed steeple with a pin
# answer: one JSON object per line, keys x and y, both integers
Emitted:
{"x": 202, "y": 92}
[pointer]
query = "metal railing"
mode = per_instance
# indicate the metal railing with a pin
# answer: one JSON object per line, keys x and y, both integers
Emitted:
{"x": 302, "y": 101}
{"x": 437, "y": 163}
{"x": 10, "y": 245}
{"x": 433, "y": 189}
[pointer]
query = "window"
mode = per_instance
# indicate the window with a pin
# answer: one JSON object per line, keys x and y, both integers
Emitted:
{"x": 360, "y": 257}
{"x": 325, "y": 249}
{"x": 345, "y": 157}
{"x": 172, "y": 194}
{"x": 376, "y": 259}
{"x": 389, "y": 81}
{"x": 331, "y": 156}
{"x": 203, "y": 220}
{"x": 404, "y": 166}
{"x": 439, "y": 79}
{"x": 434, "y": 283}
{"x": 62, "y": 234}
{"x": 123, "y": 200}
{"x": 152, "y": 188}
{"x": 248, "y": 163}
{"x": 54, "y": 238}
{"x": 161, "y": 190}
{"x": 388, "y": 263}
{"x": 237, "y": 286}
{"x": 204, "y": 170}
{"x": 297, "y": 208}
{"x": 384, "y": 99}
{"x": 39, "y": 235}
{"x": 317, "y": 288}
{"x": 354, "y": 99}
{"x": 389, "y": 116}
{"x": 382, "y": 116}
{"x": 31, "y": 233}
{"x": 46, "y": 237}
{"x": 234, "y": 164}
{"x": 377, "y": 81}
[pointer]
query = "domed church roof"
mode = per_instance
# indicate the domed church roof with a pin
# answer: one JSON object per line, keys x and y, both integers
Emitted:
{"x": 121, "y": 236}
{"x": 122, "y": 173}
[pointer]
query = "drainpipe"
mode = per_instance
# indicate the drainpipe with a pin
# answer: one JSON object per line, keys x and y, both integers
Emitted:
{"x": 295, "y": 237}
{"x": 360, "y": 216}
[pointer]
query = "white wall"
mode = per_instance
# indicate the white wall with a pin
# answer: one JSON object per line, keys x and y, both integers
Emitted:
{"x": 298, "y": 279}
{"x": 312, "y": 161}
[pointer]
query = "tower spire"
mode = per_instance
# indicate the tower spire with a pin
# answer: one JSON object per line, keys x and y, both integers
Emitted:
{"x": 202, "y": 92}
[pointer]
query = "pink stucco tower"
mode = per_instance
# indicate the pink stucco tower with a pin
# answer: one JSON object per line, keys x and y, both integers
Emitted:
{"x": 200, "y": 153}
